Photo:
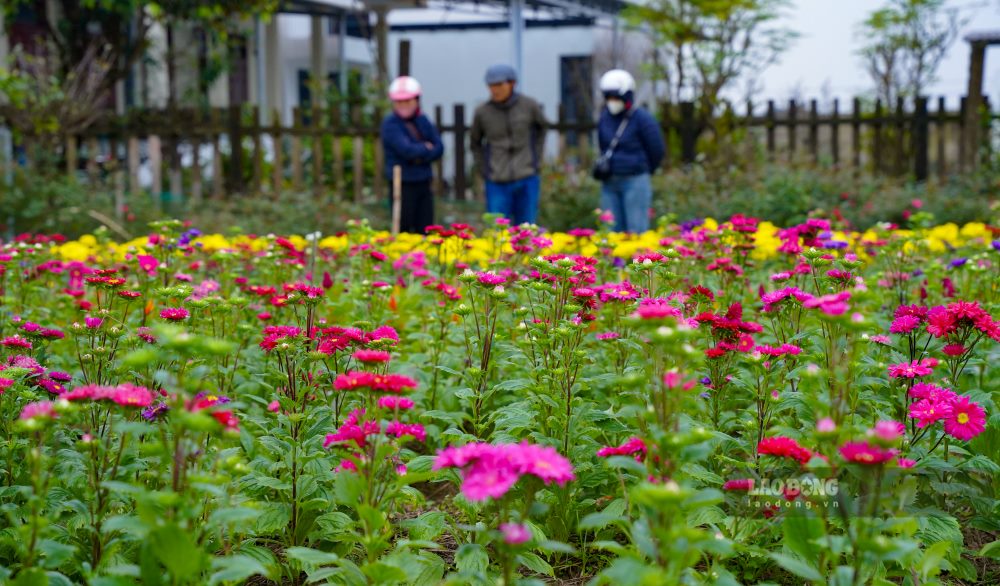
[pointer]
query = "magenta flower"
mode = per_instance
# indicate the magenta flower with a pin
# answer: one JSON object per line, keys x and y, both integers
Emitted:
{"x": 175, "y": 313}
{"x": 967, "y": 419}
{"x": 489, "y": 471}
{"x": 38, "y": 410}
{"x": 913, "y": 369}
{"x": 833, "y": 304}
{"x": 887, "y": 431}
{"x": 634, "y": 445}
{"x": 399, "y": 429}
{"x": 866, "y": 453}
{"x": 393, "y": 402}
{"x": 515, "y": 533}
{"x": 926, "y": 411}
{"x": 739, "y": 485}
{"x": 376, "y": 356}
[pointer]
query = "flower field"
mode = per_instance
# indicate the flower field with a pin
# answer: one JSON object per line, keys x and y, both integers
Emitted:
{"x": 715, "y": 402}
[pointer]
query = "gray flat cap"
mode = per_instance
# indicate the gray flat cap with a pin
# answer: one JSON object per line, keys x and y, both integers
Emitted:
{"x": 500, "y": 73}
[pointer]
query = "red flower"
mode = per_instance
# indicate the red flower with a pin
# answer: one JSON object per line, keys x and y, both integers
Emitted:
{"x": 783, "y": 447}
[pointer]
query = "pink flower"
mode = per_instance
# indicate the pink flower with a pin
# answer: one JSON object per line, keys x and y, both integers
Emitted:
{"x": 953, "y": 350}
{"x": 904, "y": 324}
{"x": 489, "y": 471}
{"x": 38, "y": 410}
{"x": 608, "y": 336}
{"x": 887, "y": 431}
{"x": 490, "y": 279}
{"x": 905, "y": 463}
{"x": 739, "y": 485}
{"x": 148, "y": 263}
{"x": 927, "y": 411}
{"x": 833, "y": 304}
{"x": 274, "y": 406}
{"x": 865, "y": 453}
{"x": 175, "y": 313}
{"x": 634, "y": 445}
{"x": 5, "y": 383}
{"x": 967, "y": 419}
{"x": 128, "y": 395}
{"x": 16, "y": 342}
{"x": 383, "y": 383}
{"x": 364, "y": 355}
{"x": 515, "y": 533}
{"x": 783, "y": 447}
{"x": 826, "y": 425}
{"x": 398, "y": 429}
{"x": 228, "y": 420}
{"x": 912, "y": 370}
{"x": 393, "y": 402}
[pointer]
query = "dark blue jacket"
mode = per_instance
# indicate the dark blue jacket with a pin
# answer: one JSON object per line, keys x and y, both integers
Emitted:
{"x": 402, "y": 147}
{"x": 640, "y": 149}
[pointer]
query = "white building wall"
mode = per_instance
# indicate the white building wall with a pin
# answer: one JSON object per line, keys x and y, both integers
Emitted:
{"x": 295, "y": 31}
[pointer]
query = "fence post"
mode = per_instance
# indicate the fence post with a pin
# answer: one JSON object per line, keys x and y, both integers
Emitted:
{"x": 258, "y": 151}
{"x": 688, "y": 133}
{"x": 336, "y": 120}
{"x": 316, "y": 150}
{"x": 133, "y": 164}
{"x": 200, "y": 120}
{"x": 835, "y": 132}
{"x": 877, "y": 144}
{"x": 962, "y": 135}
{"x": 814, "y": 130}
{"x": 379, "y": 179}
{"x": 665, "y": 129}
{"x": 899, "y": 167}
{"x": 297, "y": 148}
{"x": 358, "y": 154}
{"x": 793, "y": 109}
{"x": 770, "y": 130}
{"x": 856, "y": 134}
{"x": 920, "y": 139}
{"x": 278, "y": 163}
{"x": 459, "y": 122}
{"x": 71, "y": 157}
{"x": 438, "y": 165}
{"x": 236, "y": 149}
{"x": 940, "y": 134}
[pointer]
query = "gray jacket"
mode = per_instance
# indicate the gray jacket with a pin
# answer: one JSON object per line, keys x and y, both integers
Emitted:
{"x": 508, "y": 138}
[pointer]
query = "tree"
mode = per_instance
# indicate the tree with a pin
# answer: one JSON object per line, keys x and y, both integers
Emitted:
{"x": 907, "y": 40}
{"x": 119, "y": 29}
{"x": 703, "y": 47}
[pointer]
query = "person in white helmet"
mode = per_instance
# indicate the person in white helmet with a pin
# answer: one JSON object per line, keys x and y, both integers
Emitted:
{"x": 411, "y": 141}
{"x": 632, "y": 148}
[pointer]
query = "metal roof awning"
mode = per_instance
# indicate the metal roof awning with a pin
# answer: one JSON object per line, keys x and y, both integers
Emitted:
{"x": 983, "y": 37}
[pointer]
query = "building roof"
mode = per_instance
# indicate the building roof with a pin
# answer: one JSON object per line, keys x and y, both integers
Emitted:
{"x": 983, "y": 37}
{"x": 339, "y": 7}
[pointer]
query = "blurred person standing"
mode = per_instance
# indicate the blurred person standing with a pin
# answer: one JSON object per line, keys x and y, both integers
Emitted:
{"x": 508, "y": 138}
{"x": 632, "y": 148}
{"x": 411, "y": 142}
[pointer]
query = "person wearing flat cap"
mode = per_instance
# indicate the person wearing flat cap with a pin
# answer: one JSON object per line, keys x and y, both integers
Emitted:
{"x": 508, "y": 137}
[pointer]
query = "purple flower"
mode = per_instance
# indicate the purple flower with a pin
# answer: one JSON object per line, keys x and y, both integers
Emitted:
{"x": 691, "y": 224}
{"x": 93, "y": 323}
{"x": 996, "y": 245}
{"x": 153, "y": 412}
{"x": 958, "y": 262}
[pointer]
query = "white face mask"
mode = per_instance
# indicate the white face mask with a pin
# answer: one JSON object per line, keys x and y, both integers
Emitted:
{"x": 615, "y": 107}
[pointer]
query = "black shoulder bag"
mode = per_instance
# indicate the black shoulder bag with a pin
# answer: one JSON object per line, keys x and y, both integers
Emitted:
{"x": 602, "y": 166}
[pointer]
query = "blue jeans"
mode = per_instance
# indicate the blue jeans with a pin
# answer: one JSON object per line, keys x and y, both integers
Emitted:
{"x": 516, "y": 200}
{"x": 628, "y": 198}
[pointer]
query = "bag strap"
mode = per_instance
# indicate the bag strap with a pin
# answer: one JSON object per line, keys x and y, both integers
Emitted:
{"x": 618, "y": 135}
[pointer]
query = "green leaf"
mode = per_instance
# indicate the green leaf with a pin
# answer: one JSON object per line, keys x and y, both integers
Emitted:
{"x": 797, "y": 567}
{"x": 631, "y": 571}
{"x": 55, "y": 553}
{"x": 311, "y": 558}
{"x": 930, "y": 562}
{"x": 347, "y": 489}
{"x": 536, "y": 564}
{"x": 177, "y": 551}
{"x": 31, "y": 577}
{"x": 990, "y": 550}
{"x": 801, "y": 532}
{"x": 472, "y": 558}
{"x": 235, "y": 568}
{"x": 383, "y": 573}
{"x": 597, "y": 521}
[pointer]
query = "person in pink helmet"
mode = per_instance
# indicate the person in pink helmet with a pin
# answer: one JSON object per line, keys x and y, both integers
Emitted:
{"x": 411, "y": 142}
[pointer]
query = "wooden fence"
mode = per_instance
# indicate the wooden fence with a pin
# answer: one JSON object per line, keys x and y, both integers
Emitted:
{"x": 335, "y": 151}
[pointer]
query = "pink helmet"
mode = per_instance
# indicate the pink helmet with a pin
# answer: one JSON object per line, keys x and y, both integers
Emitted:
{"x": 404, "y": 88}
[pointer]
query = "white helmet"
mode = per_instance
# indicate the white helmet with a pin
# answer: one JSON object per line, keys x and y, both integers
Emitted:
{"x": 617, "y": 81}
{"x": 404, "y": 88}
